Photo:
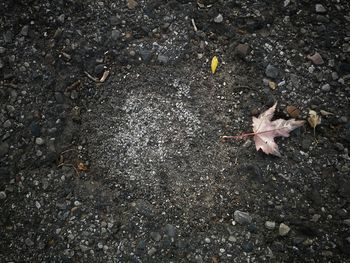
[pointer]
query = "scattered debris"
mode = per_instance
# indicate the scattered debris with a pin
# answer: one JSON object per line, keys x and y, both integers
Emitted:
{"x": 293, "y": 111}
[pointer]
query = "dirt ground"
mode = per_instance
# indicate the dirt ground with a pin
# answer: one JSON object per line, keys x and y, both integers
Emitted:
{"x": 111, "y": 123}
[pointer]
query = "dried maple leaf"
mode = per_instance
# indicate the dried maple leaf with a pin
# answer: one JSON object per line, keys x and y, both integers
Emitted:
{"x": 266, "y": 130}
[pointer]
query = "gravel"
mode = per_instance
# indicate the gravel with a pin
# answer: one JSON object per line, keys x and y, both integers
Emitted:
{"x": 133, "y": 169}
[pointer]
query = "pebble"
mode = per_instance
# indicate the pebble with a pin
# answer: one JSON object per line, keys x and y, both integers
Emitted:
{"x": 39, "y": 141}
{"x": 7, "y": 124}
{"x": 2, "y": 50}
{"x": 242, "y": 217}
{"x": 156, "y": 236}
{"x": 152, "y": 251}
{"x": 316, "y": 59}
{"x": 115, "y": 35}
{"x": 271, "y": 71}
{"x": 219, "y": 18}
{"x": 320, "y": 8}
{"x": 270, "y": 225}
{"x": 25, "y": 30}
{"x": 170, "y": 230}
{"x": 61, "y": 18}
{"x": 4, "y": 149}
{"x": 315, "y": 217}
{"x": 146, "y": 54}
{"x": 29, "y": 242}
{"x": 163, "y": 59}
{"x": 207, "y": 240}
{"x": 335, "y": 76}
{"x": 283, "y": 229}
{"x": 241, "y": 50}
{"x": 2, "y": 195}
{"x": 232, "y": 239}
{"x": 247, "y": 246}
{"x": 326, "y": 87}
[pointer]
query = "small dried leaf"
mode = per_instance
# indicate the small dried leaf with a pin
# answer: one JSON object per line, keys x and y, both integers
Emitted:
{"x": 214, "y": 64}
{"x": 272, "y": 85}
{"x": 326, "y": 113}
{"x": 293, "y": 111}
{"x": 314, "y": 119}
{"x": 82, "y": 167}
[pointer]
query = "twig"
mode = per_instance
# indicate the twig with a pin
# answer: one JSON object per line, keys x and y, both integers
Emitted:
{"x": 91, "y": 77}
{"x": 194, "y": 25}
{"x": 69, "y": 165}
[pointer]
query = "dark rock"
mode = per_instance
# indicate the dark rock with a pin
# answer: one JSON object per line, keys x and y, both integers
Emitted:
{"x": 146, "y": 54}
{"x": 115, "y": 35}
{"x": 247, "y": 246}
{"x": 8, "y": 36}
{"x": 242, "y": 217}
{"x": 271, "y": 71}
{"x": 163, "y": 59}
{"x": 241, "y": 50}
{"x": 316, "y": 59}
{"x": 35, "y": 129}
{"x": 4, "y": 149}
{"x": 170, "y": 230}
{"x": 344, "y": 68}
{"x": 99, "y": 69}
{"x": 59, "y": 97}
{"x": 25, "y": 30}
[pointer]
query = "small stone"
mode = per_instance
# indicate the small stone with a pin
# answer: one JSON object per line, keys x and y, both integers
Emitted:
{"x": 99, "y": 69}
{"x": 115, "y": 34}
{"x": 29, "y": 242}
{"x": 152, "y": 251}
{"x": 283, "y": 229}
{"x": 348, "y": 239}
{"x": 241, "y": 50}
{"x": 242, "y": 217}
{"x": 232, "y": 239}
{"x": 39, "y": 141}
{"x": 131, "y": 4}
{"x": 247, "y": 246}
{"x": 2, "y": 50}
{"x": 170, "y": 230}
{"x": 335, "y": 76}
{"x": 207, "y": 240}
{"x": 74, "y": 95}
{"x": 343, "y": 119}
{"x": 316, "y": 59}
{"x": 326, "y": 87}
{"x": 219, "y": 18}
{"x": 61, "y": 18}
{"x": 163, "y": 59}
{"x": 156, "y": 236}
{"x": 271, "y": 71}
{"x": 2, "y": 195}
{"x": 270, "y": 225}
{"x": 315, "y": 218}
{"x": 7, "y": 124}
{"x": 320, "y": 8}
{"x": 146, "y": 54}
{"x": 83, "y": 248}
{"x": 293, "y": 111}
{"x": 59, "y": 97}
{"x": 25, "y": 30}
{"x": 4, "y": 149}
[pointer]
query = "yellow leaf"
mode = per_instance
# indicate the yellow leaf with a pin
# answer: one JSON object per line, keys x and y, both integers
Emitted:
{"x": 214, "y": 64}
